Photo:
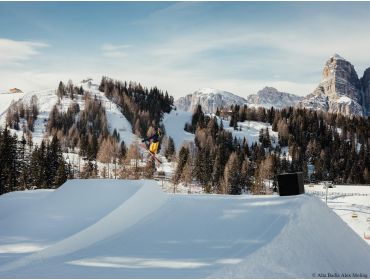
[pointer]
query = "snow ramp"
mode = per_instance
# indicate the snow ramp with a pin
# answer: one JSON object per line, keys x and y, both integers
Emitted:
{"x": 150, "y": 234}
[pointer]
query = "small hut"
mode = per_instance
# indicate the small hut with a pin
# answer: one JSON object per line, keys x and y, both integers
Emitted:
{"x": 290, "y": 184}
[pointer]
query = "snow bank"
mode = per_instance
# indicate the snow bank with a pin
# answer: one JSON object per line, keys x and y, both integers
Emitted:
{"x": 144, "y": 233}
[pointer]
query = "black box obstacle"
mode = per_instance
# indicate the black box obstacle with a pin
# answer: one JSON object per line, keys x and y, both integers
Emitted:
{"x": 290, "y": 184}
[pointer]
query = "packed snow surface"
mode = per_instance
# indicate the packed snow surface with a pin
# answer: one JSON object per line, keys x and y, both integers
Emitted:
{"x": 347, "y": 200}
{"x": 131, "y": 229}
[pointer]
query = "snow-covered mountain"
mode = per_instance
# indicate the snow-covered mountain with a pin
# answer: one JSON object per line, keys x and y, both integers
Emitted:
{"x": 210, "y": 99}
{"x": 340, "y": 91}
{"x": 270, "y": 97}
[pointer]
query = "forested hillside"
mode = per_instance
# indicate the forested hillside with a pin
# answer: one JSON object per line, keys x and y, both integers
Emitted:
{"x": 141, "y": 106}
{"x": 323, "y": 146}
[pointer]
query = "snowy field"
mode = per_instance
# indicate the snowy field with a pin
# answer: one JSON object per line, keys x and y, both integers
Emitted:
{"x": 351, "y": 203}
{"x": 131, "y": 229}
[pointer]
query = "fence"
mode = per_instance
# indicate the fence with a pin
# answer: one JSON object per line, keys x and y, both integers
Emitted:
{"x": 336, "y": 193}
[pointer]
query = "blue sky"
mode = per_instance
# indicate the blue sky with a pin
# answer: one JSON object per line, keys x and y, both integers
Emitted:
{"x": 181, "y": 46}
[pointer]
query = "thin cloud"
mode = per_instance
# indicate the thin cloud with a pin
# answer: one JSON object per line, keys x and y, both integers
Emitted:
{"x": 12, "y": 51}
{"x": 115, "y": 51}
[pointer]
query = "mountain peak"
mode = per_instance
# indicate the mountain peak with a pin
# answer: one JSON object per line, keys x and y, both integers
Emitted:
{"x": 341, "y": 88}
{"x": 210, "y": 99}
{"x": 271, "y": 97}
{"x": 268, "y": 89}
{"x": 337, "y": 57}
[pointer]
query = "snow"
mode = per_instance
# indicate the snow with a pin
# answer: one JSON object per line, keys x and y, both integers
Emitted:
{"x": 174, "y": 123}
{"x": 212, "y": 91}
{"x": 116, "y": 120}
{"x": 337, "y": 57}
{"x": 250, "y": 130}
{"x": 346, "y": 200}
{"x": 47, "y": 98}
{"x": 344, "y": 99}
{"x": 5, "y": 101}
{"x": 210, "y": 99}
{"x": 130, "y": 229}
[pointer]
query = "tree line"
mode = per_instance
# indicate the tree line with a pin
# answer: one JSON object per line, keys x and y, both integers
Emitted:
{"x": 142, "y": 107}
{"x": 23, "y": 165}
{"x": 333, "y": 146}
{"x": 22, "y": 116}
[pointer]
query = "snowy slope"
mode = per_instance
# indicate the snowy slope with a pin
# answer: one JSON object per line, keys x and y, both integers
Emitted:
{"x": 6, "y": 99}
{"x": 116, "y": 120}
{"x": 174, "y": 123}
{"x": 250, "y": 130}
{"x": 47, "y": 99}
{"x": 130, "y": 229}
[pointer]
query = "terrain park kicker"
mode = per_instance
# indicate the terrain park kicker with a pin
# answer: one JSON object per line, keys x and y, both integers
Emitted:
{"x": 131, "y": 229}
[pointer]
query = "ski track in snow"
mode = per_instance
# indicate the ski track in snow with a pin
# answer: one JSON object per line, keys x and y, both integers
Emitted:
{"x": 130, "y": 229}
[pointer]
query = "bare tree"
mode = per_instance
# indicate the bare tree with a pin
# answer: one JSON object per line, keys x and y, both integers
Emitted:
{"x": 108, "y": 150}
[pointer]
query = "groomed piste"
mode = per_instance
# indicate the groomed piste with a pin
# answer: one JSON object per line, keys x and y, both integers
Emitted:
{"x": 131, "y": 229}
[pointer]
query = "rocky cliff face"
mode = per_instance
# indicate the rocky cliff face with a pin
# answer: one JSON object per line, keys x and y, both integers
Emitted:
{"x": 340, "y": 90}
{"x": 365, "y": 88}
{"x": 270, "y": 97}
{"x": 210, "y": 99}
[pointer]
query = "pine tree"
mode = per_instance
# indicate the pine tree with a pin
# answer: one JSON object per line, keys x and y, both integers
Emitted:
{"x": 232, "y": 175}
{"x": 183, "y": 158}
{"x": 170, "y": 150}
{"x": 61, "y": 91}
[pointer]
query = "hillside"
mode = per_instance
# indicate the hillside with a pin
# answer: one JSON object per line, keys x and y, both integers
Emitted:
{"x": 190, "y": 236}
{"x": 47, "y": 99}
{"x": 175, "y": 121}
{"x": 6, "y": 99}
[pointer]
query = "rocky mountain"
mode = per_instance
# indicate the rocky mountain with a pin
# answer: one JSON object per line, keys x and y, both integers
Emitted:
{"x": 209, "y": 99}
{"x": 365, "y": 86}
{"x": 270, "y": 97}
{"x": 340, "y": 91}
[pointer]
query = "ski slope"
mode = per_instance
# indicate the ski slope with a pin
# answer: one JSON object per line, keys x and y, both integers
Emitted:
{"x": 47, "y": 98}
{"x": 131, "y": 229}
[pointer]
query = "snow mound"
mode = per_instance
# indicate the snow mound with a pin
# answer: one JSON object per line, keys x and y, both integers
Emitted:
{"x": 133, "y": 230}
